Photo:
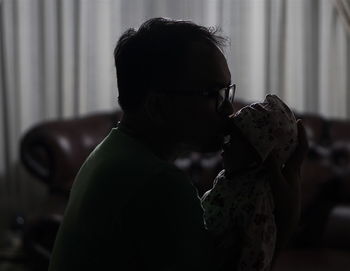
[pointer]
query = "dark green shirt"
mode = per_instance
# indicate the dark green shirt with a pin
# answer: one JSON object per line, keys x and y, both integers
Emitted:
{"x": 130, "y": 210}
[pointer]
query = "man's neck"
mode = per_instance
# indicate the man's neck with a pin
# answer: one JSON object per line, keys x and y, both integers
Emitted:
{"x": 151, "y": 135}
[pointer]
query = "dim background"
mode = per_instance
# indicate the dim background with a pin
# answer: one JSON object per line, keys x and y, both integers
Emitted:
{"x": 57, "y": 62}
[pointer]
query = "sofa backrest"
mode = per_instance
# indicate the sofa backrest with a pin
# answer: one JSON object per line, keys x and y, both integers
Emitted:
{"x": 54, "y": 151}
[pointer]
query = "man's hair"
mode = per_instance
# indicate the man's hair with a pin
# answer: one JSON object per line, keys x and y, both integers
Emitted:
{"x": 151, "y": 57}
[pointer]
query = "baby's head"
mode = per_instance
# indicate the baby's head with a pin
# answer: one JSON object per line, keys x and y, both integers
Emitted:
{"x": 265, "y": 127}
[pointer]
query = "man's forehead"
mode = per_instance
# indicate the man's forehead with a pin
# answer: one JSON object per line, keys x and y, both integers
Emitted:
{"x": 207, "y": 66}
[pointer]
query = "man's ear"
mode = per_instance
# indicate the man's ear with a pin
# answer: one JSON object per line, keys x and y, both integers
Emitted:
{"x": 155, "y": 108}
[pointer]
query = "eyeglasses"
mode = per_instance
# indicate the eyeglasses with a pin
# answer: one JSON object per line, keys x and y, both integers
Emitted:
{"x": 226, "y": 94}
{"x": 222, "y": 95}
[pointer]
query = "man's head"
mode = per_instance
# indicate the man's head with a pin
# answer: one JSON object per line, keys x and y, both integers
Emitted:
{"x": 164, "y": 68}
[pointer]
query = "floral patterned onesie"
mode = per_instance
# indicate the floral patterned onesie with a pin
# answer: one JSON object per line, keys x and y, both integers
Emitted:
{"x": 240, "y": 210}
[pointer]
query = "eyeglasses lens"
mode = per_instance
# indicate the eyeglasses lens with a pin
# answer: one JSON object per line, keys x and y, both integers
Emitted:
{"x": 221, "y": 97}
{"x": 226, "y": 94}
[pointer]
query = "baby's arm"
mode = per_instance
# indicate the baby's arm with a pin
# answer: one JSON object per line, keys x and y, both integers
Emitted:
{"x": 213, "y": 203}
{"x": 285, "y": 186}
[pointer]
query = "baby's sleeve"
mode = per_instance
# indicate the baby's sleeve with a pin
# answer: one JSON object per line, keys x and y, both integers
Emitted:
{"x": 214, "y": 205}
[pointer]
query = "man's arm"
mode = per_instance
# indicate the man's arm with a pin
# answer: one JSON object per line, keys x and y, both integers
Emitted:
{"x": 166, "y": 225}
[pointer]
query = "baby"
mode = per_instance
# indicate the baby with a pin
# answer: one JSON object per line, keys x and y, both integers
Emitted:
{"x": 239, "y": 208}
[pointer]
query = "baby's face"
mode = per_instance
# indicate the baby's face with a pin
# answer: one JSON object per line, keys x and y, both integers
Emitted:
{"x": 268, "y": 126}
{"x": 238, "y": 154}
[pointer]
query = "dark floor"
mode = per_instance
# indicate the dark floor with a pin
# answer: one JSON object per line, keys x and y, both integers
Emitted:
{"x": 12, "y": 256}
{"x": 12, "y": 261}
{"x": 7, "y": 266}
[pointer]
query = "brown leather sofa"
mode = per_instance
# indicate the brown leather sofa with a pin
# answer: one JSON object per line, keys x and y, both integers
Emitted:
{"x": 53, "y": 152}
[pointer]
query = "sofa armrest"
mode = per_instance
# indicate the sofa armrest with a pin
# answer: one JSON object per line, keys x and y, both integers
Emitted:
{"x": 53, "y": 151}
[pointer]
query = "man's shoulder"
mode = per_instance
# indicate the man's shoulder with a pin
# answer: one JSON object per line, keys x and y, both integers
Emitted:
{"x": 121, "y": 154}
{"x": 121, "y": 163}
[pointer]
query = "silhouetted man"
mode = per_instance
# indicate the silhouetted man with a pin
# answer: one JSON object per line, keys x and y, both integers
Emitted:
{"x": 130, "y": 208}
